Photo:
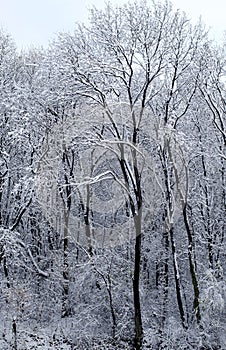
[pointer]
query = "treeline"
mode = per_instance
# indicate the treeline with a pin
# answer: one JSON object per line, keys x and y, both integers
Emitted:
{"x": 112, "y": 185}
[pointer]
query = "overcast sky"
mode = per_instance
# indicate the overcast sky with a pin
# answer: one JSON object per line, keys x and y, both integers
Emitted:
{"x": 35, "y": 22}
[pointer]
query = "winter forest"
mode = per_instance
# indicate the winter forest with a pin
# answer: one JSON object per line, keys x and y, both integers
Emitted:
{"x": 112, "y": 186}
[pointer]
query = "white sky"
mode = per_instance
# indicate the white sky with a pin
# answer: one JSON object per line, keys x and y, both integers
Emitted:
{"x": 35, "y": 22}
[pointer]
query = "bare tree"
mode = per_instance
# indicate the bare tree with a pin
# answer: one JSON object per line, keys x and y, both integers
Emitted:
{"x": 136, "y": 69}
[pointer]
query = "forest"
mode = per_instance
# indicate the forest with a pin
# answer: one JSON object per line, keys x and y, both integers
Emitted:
{"x": 112, "y": 185}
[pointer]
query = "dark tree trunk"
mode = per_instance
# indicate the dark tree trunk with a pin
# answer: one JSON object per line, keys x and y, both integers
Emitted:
{"x": 177, "y": 279}
{"x": 192, "y": 267}
{"x": 136, "y": 283}
{"x": 65, "y": 292}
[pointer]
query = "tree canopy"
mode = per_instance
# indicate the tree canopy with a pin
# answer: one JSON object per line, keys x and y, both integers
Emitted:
{"x": 112, "y": 185}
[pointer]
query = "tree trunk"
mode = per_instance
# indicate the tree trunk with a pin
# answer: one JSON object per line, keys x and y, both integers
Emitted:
{"x": 136, "y": 283}
{"x": 65, "y": 292}
{"x": 166, "y": 277}
{"x": 192, "y": 267}
{"x": 177, "y": 279}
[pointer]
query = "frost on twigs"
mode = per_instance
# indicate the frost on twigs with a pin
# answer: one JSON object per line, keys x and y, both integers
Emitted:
{"x": 79, "y": 178}
{"x": 213, "y": 295}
